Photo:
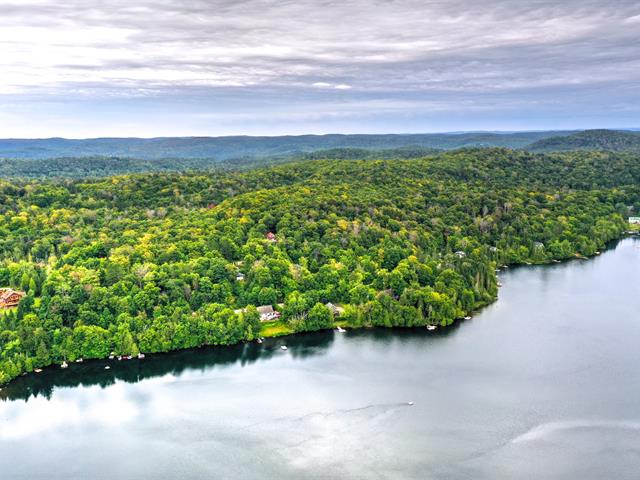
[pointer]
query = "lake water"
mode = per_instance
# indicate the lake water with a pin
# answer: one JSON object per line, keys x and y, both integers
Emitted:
{"x": 543, "y": 384}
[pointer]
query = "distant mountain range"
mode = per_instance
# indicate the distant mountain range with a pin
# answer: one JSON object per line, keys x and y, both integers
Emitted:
{"x": 225, "y": 148}
{"x": 610, "y": 140}
{"x": 59, "y": 157}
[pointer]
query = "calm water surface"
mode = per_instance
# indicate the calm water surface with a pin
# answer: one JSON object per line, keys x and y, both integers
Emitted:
{"x": 545, "y": 383}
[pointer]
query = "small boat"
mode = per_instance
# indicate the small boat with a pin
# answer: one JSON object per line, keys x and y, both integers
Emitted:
{"x": 80, "y": 360}
{"x": 410, "y": 404}
{"x": 283, "y": 347}
{"x": 431, "y": 328}
{"x": 499, "y": 284}
{"x": 141, "y": 356}
{"x": 119, "y": 357}
{"x": 597, "y": 253}
{"x": 128, "y": 357}
{"x": 112, "y": 356}
{"x": 259, "y": 340}
{"x": 107, "y": 367}
{"x": 64, "y": 365}
{"x": 341, "y": 330}
{"x": 468, "y": 317}
{"x": 37, "y": 370}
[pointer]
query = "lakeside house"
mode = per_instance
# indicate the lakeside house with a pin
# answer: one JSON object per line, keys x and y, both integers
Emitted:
{"x": 634, "y": 220}
{"x": 267, "y": 313}
{"x": 10, "y": 298}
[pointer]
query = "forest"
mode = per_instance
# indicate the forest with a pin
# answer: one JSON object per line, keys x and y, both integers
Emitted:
{"x": 162, "y": 261}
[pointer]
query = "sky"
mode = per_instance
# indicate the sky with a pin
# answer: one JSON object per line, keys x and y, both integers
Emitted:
{"x": 93, "y": 68}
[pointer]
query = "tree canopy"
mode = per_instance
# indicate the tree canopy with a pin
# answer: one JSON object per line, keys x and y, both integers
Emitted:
{"x": 150, "y": 262}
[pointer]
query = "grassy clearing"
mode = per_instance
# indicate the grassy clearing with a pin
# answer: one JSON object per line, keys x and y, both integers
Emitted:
{"x": 276, "y": 328}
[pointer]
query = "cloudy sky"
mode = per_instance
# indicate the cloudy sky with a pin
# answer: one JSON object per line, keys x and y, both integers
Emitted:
{"x": 216, "y": 67}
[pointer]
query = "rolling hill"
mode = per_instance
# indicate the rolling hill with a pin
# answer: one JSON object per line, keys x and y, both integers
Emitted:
{"x": 609, "y": 140}
{"x": 225, "y": 148}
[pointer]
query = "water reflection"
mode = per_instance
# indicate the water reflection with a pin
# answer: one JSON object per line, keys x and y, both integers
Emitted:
{"x": 93, "y": 372}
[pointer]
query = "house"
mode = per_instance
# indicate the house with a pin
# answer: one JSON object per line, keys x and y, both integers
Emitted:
{"x": 336, "y": 310}
{"x": 461, "y": 254}
{"x": 267, "y": 313}
{"x": 240, "y": 277}
{"x": 271, "y": 237}
{"x": 10, "y": 297}
{"x": 634, "y": 220}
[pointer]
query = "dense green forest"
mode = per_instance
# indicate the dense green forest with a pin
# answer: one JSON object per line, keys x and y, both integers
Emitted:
{"x": 150, "y": 262}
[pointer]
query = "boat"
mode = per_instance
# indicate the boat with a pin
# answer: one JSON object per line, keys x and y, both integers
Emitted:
{"x": 141, "y": 356}
{"x": 64, "y": 365}
{"x": 128, "y": 357}
{"x": 468, "y": 317}
{"x": 259, "y": 340}
{"x": 341, "y": 330}
{"x": 37, "y": 370}
{"x": 119, "y": 357}
{"x": 80, "y": 360}
{"x": 431, "y": 328}
{"x": 283, "y": 347}
{"x": 410, "y": 404}
{"x": 107, "y": 367}
{"x": 499, "y": 284}
{"x": 111, "y": 356}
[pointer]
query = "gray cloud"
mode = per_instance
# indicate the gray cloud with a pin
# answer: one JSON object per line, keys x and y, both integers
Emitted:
{"x": 340, "y": 58}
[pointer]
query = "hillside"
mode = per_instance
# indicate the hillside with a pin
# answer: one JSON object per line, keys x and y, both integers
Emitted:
{"x": 607, "y": 140}
{"x": 158, "y": 262}
{"x": 225, "y": 148}
{"x": 83, "y": 167}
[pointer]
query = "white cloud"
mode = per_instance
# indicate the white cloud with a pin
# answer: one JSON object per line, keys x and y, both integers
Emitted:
{"x": 305, "y": 52}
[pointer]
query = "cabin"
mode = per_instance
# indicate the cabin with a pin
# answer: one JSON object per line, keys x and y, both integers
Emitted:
{"x": 336, "y": 310}
{"x": 267, "y": 313}
{"x": 10, "y": 298}
{"x": 461, "y": 254}
{"x": 634, "y": 220}
{"x": 240, "y": 277}
{"x": 271, "y": 237}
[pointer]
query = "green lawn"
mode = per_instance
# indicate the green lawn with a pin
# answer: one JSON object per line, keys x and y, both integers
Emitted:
{"x": 276, "y": 328}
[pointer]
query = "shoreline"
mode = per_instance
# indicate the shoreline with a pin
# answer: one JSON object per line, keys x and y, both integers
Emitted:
{"x": 282, "y": 330}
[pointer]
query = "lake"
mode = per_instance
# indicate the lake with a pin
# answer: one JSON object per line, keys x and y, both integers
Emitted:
{"x": 544, "y": 383}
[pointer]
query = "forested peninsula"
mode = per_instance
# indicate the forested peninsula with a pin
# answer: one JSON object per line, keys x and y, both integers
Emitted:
{"x": 164, "y": 261}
